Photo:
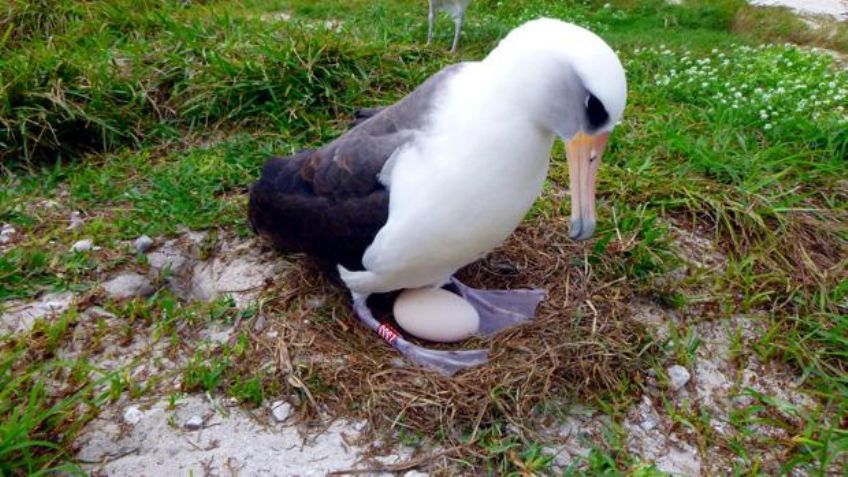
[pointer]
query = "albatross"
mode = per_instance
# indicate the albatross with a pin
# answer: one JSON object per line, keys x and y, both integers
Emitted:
{"x": 415, "y": 191}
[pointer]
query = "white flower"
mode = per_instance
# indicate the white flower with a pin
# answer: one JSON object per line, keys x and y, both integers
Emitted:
{"x": 767, "y": 126}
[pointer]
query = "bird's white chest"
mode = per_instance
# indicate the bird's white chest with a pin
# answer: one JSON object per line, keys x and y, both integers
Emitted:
{"x": 476, "y": 204}
{"x": 453, "y": 202}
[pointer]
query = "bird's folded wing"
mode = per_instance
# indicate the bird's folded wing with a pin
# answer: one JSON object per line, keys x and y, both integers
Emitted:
{"x": 330, "y": 202}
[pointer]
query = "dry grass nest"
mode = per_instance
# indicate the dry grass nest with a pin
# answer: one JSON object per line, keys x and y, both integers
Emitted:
{"x": 584, "y": 342}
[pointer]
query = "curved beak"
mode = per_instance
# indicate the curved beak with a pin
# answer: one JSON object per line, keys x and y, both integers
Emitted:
{"x": 584, "y": 157}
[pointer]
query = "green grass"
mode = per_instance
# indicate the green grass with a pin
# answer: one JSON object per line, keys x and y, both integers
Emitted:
{"x": 39, "y": 423}
{"x": 154, "y": 115}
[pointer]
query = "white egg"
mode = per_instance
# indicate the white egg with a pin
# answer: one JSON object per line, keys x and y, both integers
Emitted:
{"x": 435, "y": 314}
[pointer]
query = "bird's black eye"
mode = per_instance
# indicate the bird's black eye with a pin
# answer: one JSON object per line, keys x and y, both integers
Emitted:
{"x": 595, "y": 112}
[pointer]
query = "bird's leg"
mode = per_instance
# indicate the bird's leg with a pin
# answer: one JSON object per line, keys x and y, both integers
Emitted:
{"x": 499, "y": 309}
{"x": 446, "y": 363}
{"x": 431, "y": 18}
{"x": 457, "y": 21}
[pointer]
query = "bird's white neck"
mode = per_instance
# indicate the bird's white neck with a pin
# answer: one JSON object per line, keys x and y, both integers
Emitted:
{"x": 539, "y": 104}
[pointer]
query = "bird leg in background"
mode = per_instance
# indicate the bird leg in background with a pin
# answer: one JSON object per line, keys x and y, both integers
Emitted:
{"x": 499, "y": 309}
{"x": 457, "y": 21}
{"x": 446, "y": 363}
{"x": 431, "y": 18}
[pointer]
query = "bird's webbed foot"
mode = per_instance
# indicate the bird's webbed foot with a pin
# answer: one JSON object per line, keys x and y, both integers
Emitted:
{"x": 499, "y": 309}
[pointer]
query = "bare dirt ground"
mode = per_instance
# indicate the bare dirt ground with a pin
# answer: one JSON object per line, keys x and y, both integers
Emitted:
{"x": 201, "y": 436}
{"x": 835, "y": 8}
{"x": 210, "y": 435}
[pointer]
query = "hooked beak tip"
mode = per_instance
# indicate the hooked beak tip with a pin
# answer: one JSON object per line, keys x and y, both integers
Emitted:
{"x": 581, "y": 230}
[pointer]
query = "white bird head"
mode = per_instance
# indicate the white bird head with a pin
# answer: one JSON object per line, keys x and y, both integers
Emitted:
{"x": 572, "y": 84}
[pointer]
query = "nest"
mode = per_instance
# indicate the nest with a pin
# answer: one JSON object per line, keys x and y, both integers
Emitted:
{"x": 583, "y": 342}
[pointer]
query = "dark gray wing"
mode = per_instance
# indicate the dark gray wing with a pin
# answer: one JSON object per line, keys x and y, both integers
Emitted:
{"x": 329, "y": 202}
{"x": 364, "y": 114}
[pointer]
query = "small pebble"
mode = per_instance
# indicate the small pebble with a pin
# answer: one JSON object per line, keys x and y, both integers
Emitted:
{"x": 128, "y": 286}
{"x": 132, "y": 415}
{"x": 416, "y": 473}
{"x": 82, "y": 246}
{"x": 567, "y": 429}
{"x": 649, "y": 417}
{"x": 316, "y": 302}
{"x": 74, "y": 221}
{"x": 649, "y": 423}
{"x": 6, "y": 233}
{"x": 678, "y": 376}
{"x": 196, "y": 237}
{"x": 259, "y": 325}
{"x": 143, "y": 244}
{"x": 281, "y": 410}
{"x": 561, "y": 457}
{"x": 193, "y": 423}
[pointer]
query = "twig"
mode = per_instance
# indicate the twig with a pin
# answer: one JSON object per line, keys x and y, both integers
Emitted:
{"x": 594, "y": 317}
{"x": 411, "y": 464}
{"x": 194, "y": 445}
{"x": 111, "y": 457}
